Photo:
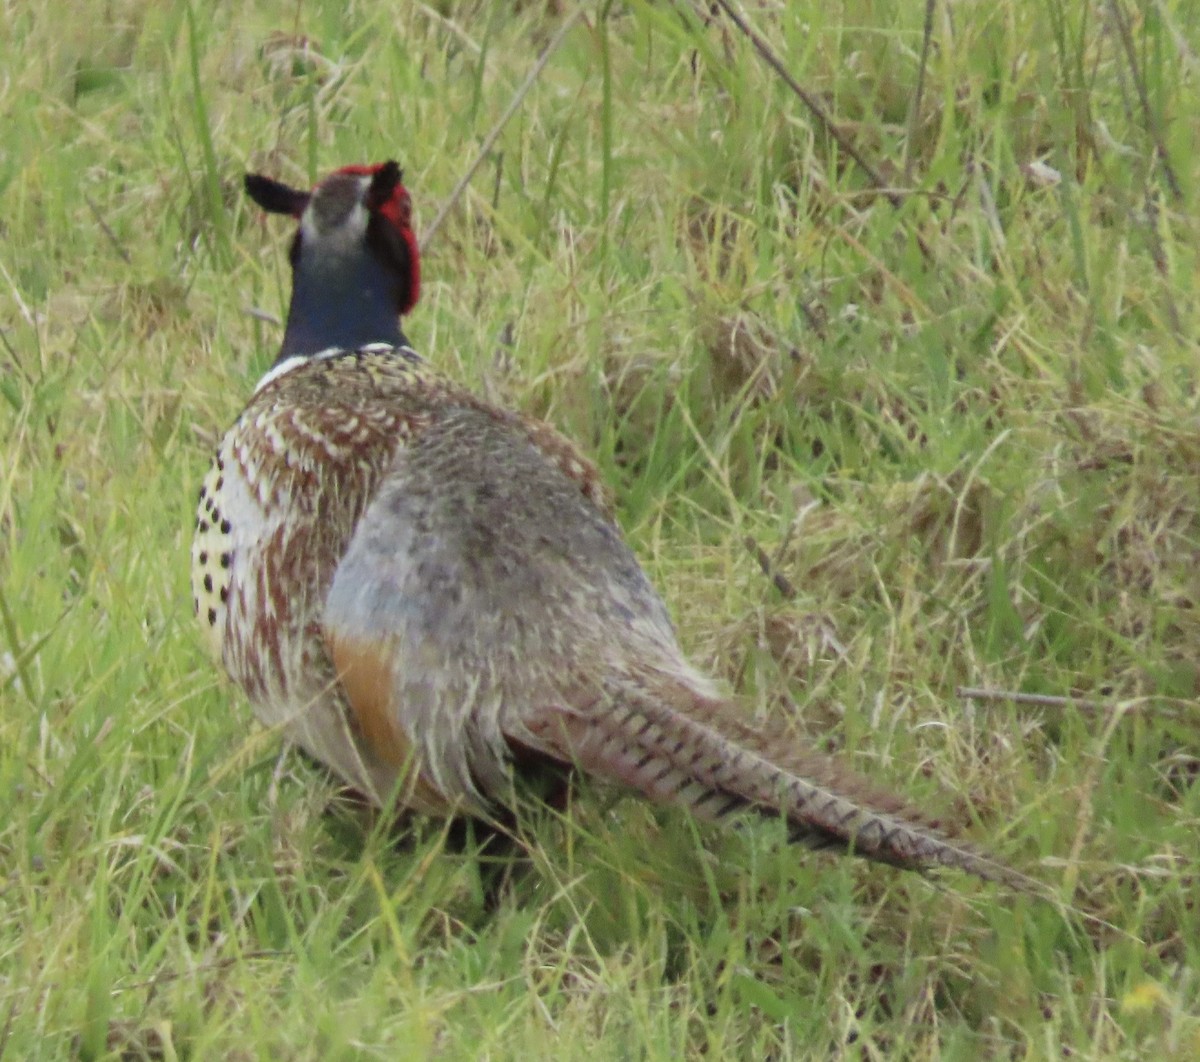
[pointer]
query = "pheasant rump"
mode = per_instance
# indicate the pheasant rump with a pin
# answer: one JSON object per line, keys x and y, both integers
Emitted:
{"x": 430, "y": 594}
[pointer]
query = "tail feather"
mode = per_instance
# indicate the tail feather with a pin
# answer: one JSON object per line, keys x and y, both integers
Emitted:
{"x": 673, "y": 744}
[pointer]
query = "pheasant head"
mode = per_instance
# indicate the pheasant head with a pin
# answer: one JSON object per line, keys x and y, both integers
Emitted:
{"x": 356, "y": 267}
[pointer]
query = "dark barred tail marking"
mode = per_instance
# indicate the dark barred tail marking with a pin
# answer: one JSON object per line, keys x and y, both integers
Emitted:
{"x": 693, "y": 751}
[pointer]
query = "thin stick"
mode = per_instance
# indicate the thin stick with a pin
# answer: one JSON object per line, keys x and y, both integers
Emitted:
{"x": 20, "y": 659}
{"x": 107, "y": 230}
{"x": 8, "y": 1024}
{"x": 1160, "y": 145}
{"x": 1044, "y": 700}
{"x": 1162, "y": 266}
{"x": 261, "y": 315}
{"x": 811, "y": 102}
{"x": 781, "y": 582}
{"x": 494, "y": 134}
{"x": 224, "y": 963}
{"x": 914, "y": 118}
{"x": 436, "y": 16}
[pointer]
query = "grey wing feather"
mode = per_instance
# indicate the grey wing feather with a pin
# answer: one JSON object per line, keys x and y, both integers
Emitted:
{"x": 490, "y": 581}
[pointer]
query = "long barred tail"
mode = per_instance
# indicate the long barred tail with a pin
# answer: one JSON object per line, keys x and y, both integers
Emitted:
{"x": 660, "y": 736}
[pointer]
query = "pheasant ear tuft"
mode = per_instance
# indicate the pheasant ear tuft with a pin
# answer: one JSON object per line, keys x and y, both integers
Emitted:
{"x": 275, "y": 197}
{"x": 383, "y": 183}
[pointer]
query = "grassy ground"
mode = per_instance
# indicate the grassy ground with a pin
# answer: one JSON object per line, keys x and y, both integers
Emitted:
{"x": 964, "y": 428}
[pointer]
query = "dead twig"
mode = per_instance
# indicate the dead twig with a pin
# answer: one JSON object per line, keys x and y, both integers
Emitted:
{"x": 812, "y": 103}
{"x": 895, "y": 197}
{"x": 780, "y": 581}
{"x": 224, "y": 963}
{"x": 1043, "y": 700}
{"x": 1160, "y": 145}
{"x": 1158, "y": 251}
{"x": 107, "y": 230}
{"x": 450, "y": 25}
{"x": 261, "y": 315}
{"x": 914, "y": 116}
{"x": 494, "y": 133}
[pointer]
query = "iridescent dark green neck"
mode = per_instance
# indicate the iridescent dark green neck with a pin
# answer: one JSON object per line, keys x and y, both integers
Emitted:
{"x": 345, "y": 303}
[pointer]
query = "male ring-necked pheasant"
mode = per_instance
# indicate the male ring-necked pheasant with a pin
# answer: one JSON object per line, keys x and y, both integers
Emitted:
{"x": 430, "y": 594}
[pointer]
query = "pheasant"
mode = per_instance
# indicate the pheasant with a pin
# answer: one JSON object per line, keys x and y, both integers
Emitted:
{"x": 431, "y": 596}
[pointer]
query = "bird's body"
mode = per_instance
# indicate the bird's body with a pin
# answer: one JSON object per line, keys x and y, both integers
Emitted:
{"x": 424, "y": 590}
{"x": 350, "y": 476}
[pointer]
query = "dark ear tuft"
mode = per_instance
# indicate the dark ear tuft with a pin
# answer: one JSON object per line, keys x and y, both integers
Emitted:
{"x": 384, "y": 183}
{"x": 274, "y": 196}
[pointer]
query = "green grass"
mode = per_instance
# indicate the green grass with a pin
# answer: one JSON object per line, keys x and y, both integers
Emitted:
{"x": 966, "y": 429}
